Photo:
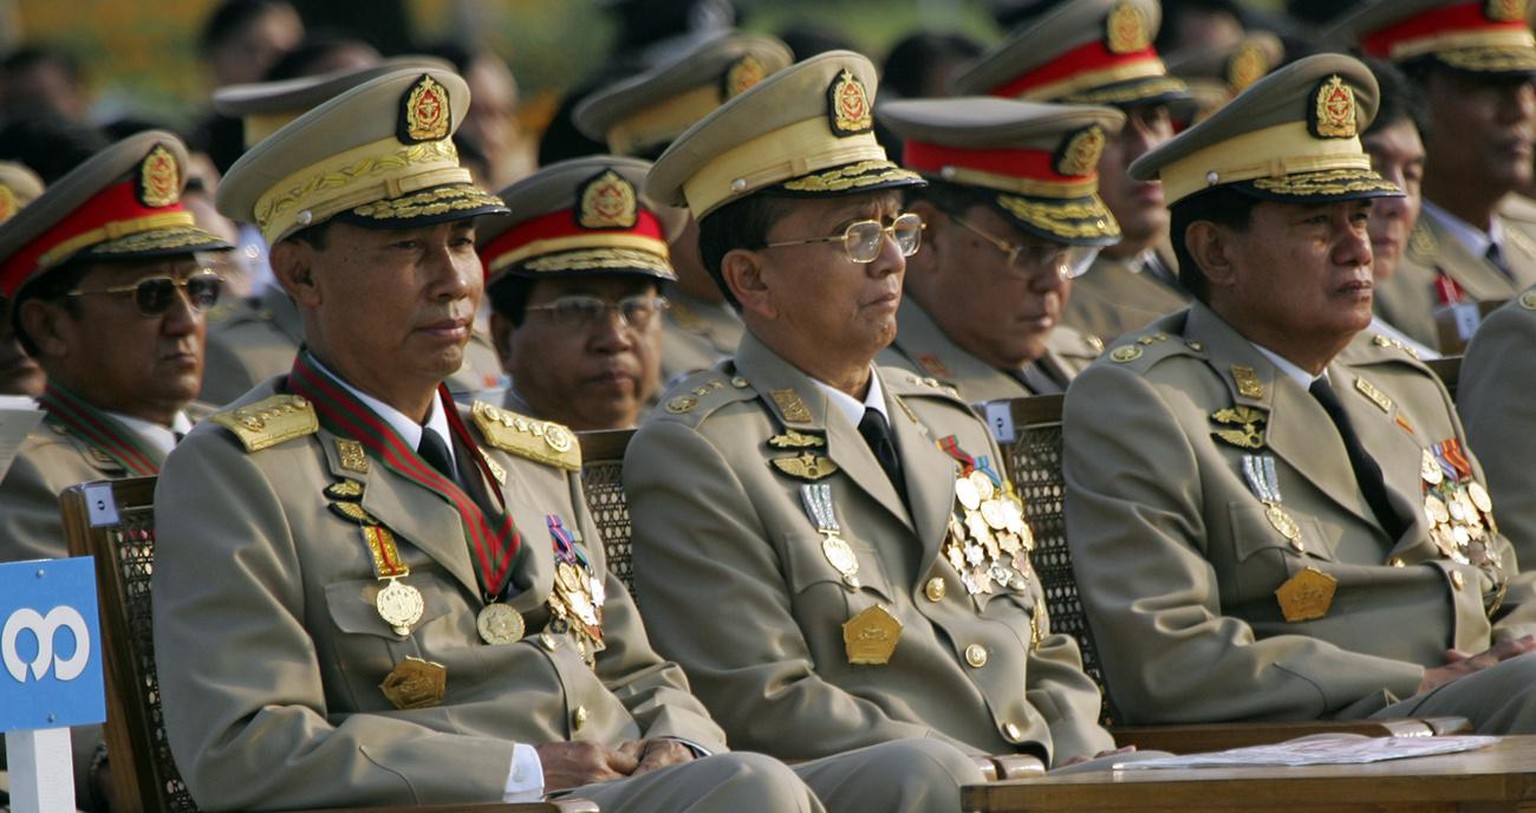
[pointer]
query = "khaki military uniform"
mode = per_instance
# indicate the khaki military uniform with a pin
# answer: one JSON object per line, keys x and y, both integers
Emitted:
{"x": 1178, "y": 561}
{"x": 1496, "y": 406}
{"x": 921, "y": 347}
{"x": 249, "y": 342}
{"x": 695, "y": 334}
{"x": 299, "y": 609}
{"x": 737, "y": 585}
{"x": 1116, "y": 297}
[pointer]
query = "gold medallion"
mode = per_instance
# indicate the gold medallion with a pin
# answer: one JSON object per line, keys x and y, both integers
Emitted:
{"x": 1125, "y": 354}
{"x": 848, "y": 106}
{"x": 993, "y": 513}
{"x": 569, "y": 578}
{"x": 415, "y": 684}
{"x": 1283, "y": 523}
{"x": 8, "y": 203}
{"x": 1429, "y": 469}
{"x": 966, "y": 493}
{"x": 1443, "y": 540}
{"x": 159, "y": 178}
{"x": 1435, "y": 510}
{"x": 425, "y": 114}
{"x": 1079, "y": 155}
{"x": 351, "y": 455}
{"x": 1479, "y": 496}
{"x": 984, "y": 488}
{"x": 842, "y": 558}
{"x": 499, "y": 624}
{"x": 400, "y": 605}
{"x": 1306, "y": 595}
{"x": 743, "y": 74}
{"x": 870, "y": 637}
{"x": 608, "y": 201}
{"x": 1332, "y": 114}
{"x": 1247, "y": 66}
{"x": 1504, "y": 11}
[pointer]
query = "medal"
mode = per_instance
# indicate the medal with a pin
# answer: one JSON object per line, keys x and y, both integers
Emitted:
{"x": 817, "y": 500}
{"x": 1479, "y": 496}
{"x": 983, "y": 485}
{"x": 870, "y": 637}
{"x": 415, "y": 684}
{"x": 1259, "y": 471}
{"x": 1283, "y": 523}
{"x": 1429, "y": 469}
{"x": 1435, "y": 510}
{"x": 499, "y": 624}
{"x": 573, "y": 599}
{"x": 966, "y": 493}
{"x": 1306, "y": 595}
{"x": 400, "y": 605}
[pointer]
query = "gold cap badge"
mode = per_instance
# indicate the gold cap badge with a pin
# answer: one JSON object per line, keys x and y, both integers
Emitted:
{"x": 1080, "y": 154}
{"x": 848, "y": 106}
{"x": 1126, "y": 30}
{"x": 608, "y": 201}
{"x": 425, "y": 114}
{"x": 1333, "y": 109}
{"x": 743, "y": 74}
{"x": 159, "y": 178}
{"x": 8, "y": 203}
{"x": 1504, "y": 11}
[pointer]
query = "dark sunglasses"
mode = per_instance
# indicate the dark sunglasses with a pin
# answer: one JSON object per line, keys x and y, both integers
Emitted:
{"x": 154, "y": 295}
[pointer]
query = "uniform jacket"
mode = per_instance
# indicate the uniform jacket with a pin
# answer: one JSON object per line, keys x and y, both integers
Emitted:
{"x": 922, "y": 347}
{"x": 1178, "y": 564}
{"x": 695, "y": 335}
{"x": 1116, "y": 297}
{"x": 271, "y": 652}
{"x": 1495, "y": 403}
{"x": 731, "y": 572}
{"x": 252, "y": 340}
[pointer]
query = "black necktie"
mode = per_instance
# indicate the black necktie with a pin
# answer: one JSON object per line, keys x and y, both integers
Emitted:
{"x": 1495, "y": 255}
{"x": 435, "y": 451}
{"x": 877, "y": 433}
{"x": 1367, "y": 472}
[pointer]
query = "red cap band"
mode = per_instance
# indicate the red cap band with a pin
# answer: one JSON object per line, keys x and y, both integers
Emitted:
{"x": 1035, "y": 165}
{"x": 1089, "y": 57}
{"x": 560, "y": 224}
{"x": 1434, "y": 23}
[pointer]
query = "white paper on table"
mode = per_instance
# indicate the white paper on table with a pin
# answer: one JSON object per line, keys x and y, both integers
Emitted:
{"x": 1318, "y": 751}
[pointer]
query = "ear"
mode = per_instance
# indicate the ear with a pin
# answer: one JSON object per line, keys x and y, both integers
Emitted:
{"x": 292, "y": 266}
{"x": 45, "y": 323}
{"x": 1211, "y": 247}
{"x": 501, "y": 338}
{"x": 743, "y": 271}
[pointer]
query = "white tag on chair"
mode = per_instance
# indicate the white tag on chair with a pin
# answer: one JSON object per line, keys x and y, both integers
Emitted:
{"x": 100, "y": 505}
{"x": 1000, "y": 418}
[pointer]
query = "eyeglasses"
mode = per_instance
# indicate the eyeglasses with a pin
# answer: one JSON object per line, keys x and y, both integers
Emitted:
{"x": 580, "y": 312}
{"x": 1028, "y": 258}
{"x": 154, "y": 295}
{"x": 863, "y": 240}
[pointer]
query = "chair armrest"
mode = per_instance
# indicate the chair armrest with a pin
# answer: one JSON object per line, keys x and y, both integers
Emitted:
{"x": 1193, "y": 738}
{"x": 988, "y": 767}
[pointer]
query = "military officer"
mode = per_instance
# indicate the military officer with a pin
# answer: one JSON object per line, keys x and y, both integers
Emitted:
{"x": 639, "y": 117}
{"x": 814, "y": 495}
{"x": 365, "y": 593}
{"x": 1101, "y": 52}
{"x": 1216, "y": 74}
{"x": 1011, "y": 216}
{"x": 572, "y": 277}
{"x": 251, "y": 340}
{"x": 19, "y": 372}
{"x": 1496, "y": 407}
{"x": 1272, "y": 514}
{"x": 1474, "y": 62}
{"x": 109, "y": 296}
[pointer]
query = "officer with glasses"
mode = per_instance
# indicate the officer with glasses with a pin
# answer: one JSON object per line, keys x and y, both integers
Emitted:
{"x": 1013, "y": 216}
{"x": 572, "y": 276}
{"x": 110, "y": 297}
{"x": 805, "y": 522}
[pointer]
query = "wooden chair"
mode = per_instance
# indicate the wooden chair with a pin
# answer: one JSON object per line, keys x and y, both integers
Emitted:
{"x": 144, "y": 775}
{"x": 1029, "y": 432}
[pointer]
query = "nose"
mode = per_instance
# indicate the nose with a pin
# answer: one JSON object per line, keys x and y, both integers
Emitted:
{"x": 454, "y": 274}
{"x": 1354, "y": 246}
{"x": 1390, "y": 208}
{"x": 612, "y": 332}
{"x": 181, "y": 317}
{"x": 890, "y": 260}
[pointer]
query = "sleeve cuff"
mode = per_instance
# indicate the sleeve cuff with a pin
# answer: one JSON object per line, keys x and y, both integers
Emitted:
{"x": 525, "y": 779}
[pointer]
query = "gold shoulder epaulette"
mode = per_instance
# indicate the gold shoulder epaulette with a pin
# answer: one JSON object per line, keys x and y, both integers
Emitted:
{"x": 270, "y": 421}
{"x": 544, "y": 441}
{"x": 902, "y": 382}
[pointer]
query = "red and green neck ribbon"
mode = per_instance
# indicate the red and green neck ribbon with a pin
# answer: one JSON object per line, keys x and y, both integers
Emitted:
{"x": 101, "y": 430}
{"x": 493, "y": 542}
